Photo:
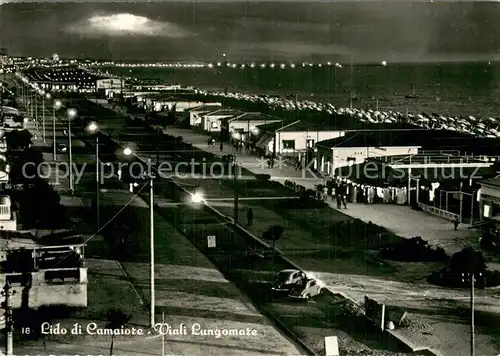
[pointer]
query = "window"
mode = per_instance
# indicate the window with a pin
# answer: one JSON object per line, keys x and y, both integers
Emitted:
{"x": 310, "y": 143}
{"x": 288, "y": 144}
{"x": 215, "y": 125}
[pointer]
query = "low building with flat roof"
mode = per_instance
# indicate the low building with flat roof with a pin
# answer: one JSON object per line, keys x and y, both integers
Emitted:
{"x": 294, "y": 138}
{"x": 212, "y": 122}
{"x": 196, "y": 113}
{"x": 246, "y": 125}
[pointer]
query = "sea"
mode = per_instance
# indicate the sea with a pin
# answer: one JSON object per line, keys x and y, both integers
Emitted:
{"x": 458, "y": 89}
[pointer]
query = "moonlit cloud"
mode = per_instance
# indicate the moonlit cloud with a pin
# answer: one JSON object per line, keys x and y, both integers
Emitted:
{"x": 127, "y": 24}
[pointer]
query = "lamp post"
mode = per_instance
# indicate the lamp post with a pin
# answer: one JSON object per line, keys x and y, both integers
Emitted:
{"x": 35, "y": 102}
{"x": 127, "y": 152}
{"x": 93, "y": 128}
{"x": 46, "y": 96}
{"x": 31, "y": 102}
{"x": 57, "y": 104}
{"x": 71, "y": 115}
{"x": 465, "y": 277}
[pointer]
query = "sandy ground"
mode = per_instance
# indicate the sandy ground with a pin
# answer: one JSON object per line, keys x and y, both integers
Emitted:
{"x": 432, "y": 310}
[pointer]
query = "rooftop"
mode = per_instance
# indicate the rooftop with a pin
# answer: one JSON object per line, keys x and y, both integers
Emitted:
{"x": 333, "y": 123}
{"x": 206, "y": 108}
{"x": 17, "y": 240}
{"x": 256, "y": 116}
{"x": 495, "y": 182}
{"x": 225, "y": 112}
{"x": 427, "y": 139}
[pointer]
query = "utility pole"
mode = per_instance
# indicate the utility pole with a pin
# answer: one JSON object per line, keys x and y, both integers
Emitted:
{"x": 9, "y": 323}
{"x": 472, "y": 331}
{"x": 152, "y": 251}
{"x": 162, "y": 335}
{"x": 43, "y": 118}
{"x": 158, "y": 148}
{"x": 235, "y": 182}
{"x": 461, "y": 201}
{"x": 35, "y": 101}
{"x": 71, "y": 188}
{"x": 97, "y": 167}
{"x": 54, "y": 131}
{"x": 472, "y": 208}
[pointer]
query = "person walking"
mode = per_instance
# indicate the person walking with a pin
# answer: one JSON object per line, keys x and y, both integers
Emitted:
{"x": 339, "y": 201}
{"x": 344, "y": 201}
{"x": 221, "y": 146}
{"x": 249, "y": 216}
{"x": 456, "y": 222}
{"x": 325, "y": 193}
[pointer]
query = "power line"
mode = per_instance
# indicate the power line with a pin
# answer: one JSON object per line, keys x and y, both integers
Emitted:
{"x": 107, "y": 223}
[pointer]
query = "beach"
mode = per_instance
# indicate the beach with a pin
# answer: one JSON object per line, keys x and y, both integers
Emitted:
{"x": 448, "y": 89}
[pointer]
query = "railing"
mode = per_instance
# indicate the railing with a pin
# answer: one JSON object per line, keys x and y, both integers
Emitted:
{"x": 434, "y": 159}
{"x": 438, "y": 212}
{"x": 440, "y": 152}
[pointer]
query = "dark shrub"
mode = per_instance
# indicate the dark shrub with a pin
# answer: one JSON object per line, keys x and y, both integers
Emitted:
{"x": 273, "y": 233}
{"x": 415, "y": 249}
{"x": 462, "y": 264}
{"x": 263, "y": 177}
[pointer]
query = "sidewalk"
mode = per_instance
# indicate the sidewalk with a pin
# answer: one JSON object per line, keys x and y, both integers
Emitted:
{"x": 402, "y": 220}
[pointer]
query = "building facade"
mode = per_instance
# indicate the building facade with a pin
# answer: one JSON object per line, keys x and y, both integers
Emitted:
{"x": 196, "y": 114}
{"x": 330, "y": 158}
{"x": 489, "y": 199}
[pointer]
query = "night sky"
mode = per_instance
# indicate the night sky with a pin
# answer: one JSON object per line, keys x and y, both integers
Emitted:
{"x": 286, "y": 31}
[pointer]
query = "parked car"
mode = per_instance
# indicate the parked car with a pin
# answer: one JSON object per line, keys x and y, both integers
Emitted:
{"x": 310, "y": 288}
{"x": 287, "y": 279}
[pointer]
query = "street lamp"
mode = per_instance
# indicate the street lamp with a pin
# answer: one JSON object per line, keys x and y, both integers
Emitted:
{"x": 94, "y": 129}
{"x": 45, "y": 96}
{"x": 57, "y": 104}
{"x": 127, "y": 151}
{"x": 197, "y": 197}
{"x": 71, "y": 115}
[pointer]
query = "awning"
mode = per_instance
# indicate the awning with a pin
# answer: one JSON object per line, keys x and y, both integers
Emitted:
{"x": 264, "y": 140}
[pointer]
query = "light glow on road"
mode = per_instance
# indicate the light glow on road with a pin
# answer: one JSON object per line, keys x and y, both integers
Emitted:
{"x": 197, "y": 198}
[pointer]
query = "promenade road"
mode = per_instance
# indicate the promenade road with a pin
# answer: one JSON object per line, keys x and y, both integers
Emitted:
{"x": 190, "y": 290}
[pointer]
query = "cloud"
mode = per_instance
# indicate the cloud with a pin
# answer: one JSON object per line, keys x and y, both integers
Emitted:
{"x": 127, "y": 24}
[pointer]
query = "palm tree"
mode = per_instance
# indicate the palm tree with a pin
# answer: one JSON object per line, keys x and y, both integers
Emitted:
{"x": 116, "y": 319}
